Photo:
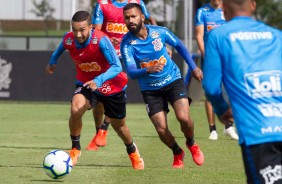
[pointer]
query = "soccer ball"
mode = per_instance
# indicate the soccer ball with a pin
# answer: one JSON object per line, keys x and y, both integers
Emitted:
{"x": 57, "y": 164}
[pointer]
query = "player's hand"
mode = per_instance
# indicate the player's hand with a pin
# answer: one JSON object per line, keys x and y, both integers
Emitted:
{"x": 156, "y": 68}
{"x": 115, "y": 41}
{"x": 90, "y": 85}
{"x": 227, "y": 117}
{"x": 50, "y": 69}
{"x": 198, "y": 74}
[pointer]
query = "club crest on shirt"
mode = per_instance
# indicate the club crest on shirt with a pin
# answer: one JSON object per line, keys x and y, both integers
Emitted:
{"x": 68, "y": 41}
{"x": 155, "y": 34}
{"x": 133, "y": 42}
{"x": 95, "y": 40}
{"x": 158, "y": 45}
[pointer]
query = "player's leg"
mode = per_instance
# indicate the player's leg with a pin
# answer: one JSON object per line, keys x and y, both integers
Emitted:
{"x": 99, "y": 138}
{"x": 79, "y": 105}
{"x": 157, "y": 109}
{"x": 101, "y": 125}
{"x": 211, "y": 120}
{"x": 229, "y": 129}
{"x": 177, "y": 95}
{"x": 159, "y": 121}
{"x": 115, "y": 108}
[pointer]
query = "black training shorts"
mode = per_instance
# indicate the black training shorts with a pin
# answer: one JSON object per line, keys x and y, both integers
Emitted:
{"x": 114, "y": 105}
{"x": 157, "y": 100}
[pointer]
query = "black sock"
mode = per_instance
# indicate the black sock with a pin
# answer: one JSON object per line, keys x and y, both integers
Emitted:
{"x": 176, "y": 149}
{"x": 75, "y": 142}
{"x": 97, "y": 129}
{"x": 130, "y": 148}
{"x": 228, "y": 125}
{"x": 190, "y": 141}
{"x": 212, "y": 128}
{"x": 105, "y": 125}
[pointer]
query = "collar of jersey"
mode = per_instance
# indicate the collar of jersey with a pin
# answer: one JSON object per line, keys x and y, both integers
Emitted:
{"x": 78, "y": 45}
{"x": 118, "y": 4}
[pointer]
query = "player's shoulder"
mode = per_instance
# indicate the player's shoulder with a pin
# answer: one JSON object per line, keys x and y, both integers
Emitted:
{"x": 135, "y": 1}
{"x": 99, "y": 33}
{"x": 205, "y": 8}
{"x": 104, "y": 2}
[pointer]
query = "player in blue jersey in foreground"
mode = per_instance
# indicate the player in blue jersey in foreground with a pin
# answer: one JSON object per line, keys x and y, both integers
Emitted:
{"x": 207, "y": 18}
{"x": 246, "y": 56}
{"x": 146, "y": 59}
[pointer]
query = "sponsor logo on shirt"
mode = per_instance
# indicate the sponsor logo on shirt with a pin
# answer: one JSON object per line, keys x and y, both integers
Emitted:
{"x": 271, "y": 110}
{"x": 271, "y": 175}
{"x": 155, "y": 34}
{"x": 133, "y": 42}
{"x": 251, "y": 36}
{"x": 116, "y": 28}
{"x": 158, "y": 45}
{"x": 212, "y": 26}
{"x": 68, "y": 41}
{"x": 89, "y": 67}
{"x": 105, "y": 88}
{"x": 162, "y": 82}
{"x": 264, "y": 84}
{"x": 271, "y": 129}
{"x": 161, "y": 60}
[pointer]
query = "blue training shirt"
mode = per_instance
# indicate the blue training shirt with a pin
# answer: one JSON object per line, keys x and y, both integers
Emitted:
{"x": 210, "y": 18}
{"x": 139, "y": 54}
{"x": 246, "y": 56}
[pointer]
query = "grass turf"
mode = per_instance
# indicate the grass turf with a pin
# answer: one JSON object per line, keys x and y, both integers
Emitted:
{"x": 30, "y": 130}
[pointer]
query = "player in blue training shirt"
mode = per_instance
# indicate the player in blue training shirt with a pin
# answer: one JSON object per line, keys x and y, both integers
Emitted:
{"x": 146, "y": 59}
{"x": 207, "y": 18}
{"x": 246, "y": 56}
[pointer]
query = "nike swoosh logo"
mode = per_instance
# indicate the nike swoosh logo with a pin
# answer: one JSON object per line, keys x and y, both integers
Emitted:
{"x": 81, "y": 54}
{"x": 182, "y": 94}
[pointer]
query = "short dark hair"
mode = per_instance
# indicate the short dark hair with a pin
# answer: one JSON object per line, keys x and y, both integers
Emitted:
{"x": 80, "y": 16}
{"x": 132, "y": 5}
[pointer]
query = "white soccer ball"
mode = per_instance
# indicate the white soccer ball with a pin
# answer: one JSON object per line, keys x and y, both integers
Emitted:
{"x": 57, "y": 164}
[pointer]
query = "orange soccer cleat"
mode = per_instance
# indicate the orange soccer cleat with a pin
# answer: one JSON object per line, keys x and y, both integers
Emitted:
{"x": 136, "y": 160}
{"x": 197, "y": 154}
{"x": 74, "y": 154}
{"x": 92, "y": 146}
{"x": 178, "y": 160}
{"x": 101, "y": 137}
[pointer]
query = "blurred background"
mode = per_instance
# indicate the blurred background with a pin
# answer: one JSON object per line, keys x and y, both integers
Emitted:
{"x": 31, "y": 29}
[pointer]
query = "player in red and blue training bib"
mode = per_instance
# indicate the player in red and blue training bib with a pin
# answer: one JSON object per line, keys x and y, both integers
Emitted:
{"x": 94, "y": 66}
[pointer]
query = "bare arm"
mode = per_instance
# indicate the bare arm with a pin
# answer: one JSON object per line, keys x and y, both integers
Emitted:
{"x": 152, "y": 21}
{"x": 97, "y": 26}
{"x": 200, "y": 38}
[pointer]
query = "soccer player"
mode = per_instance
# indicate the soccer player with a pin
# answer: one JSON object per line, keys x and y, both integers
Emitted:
{"x": 246, "y": 56}
{"x": 99, "y": 79}
{"x": 146, "y": 59}
{"x": 108, "y": 17}
{"x": 209, "y": 17}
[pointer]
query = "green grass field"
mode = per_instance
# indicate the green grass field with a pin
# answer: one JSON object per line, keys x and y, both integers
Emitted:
{"x": 29, "y": 130}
